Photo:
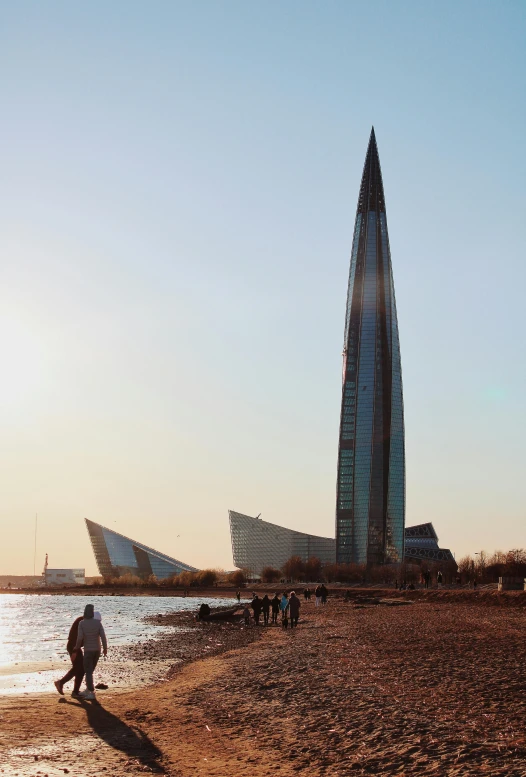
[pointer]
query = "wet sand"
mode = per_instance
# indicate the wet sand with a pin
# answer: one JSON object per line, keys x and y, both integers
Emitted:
{"x": 431, "y": 688}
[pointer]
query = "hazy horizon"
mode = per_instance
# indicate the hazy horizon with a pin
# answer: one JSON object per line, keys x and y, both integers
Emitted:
{"x": 178, "y": 198}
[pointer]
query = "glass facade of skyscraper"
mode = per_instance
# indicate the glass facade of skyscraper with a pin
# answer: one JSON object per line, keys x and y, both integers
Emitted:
{"x": 370, "y": 509}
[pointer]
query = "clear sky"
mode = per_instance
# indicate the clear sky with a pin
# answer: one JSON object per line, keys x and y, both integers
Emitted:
{"x": 177, "y": 197}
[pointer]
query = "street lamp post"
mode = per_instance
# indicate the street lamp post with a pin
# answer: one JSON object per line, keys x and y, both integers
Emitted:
{"x": 481, "y": 554}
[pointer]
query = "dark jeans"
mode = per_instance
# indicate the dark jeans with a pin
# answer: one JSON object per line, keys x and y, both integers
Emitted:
{"x": 257, "y": 613}
{"x": 91, "y": 659}
{"x": 76, "y": 671}
{"x": 293, "y": 621}
{"x": 265, "y": 617}
{"x": 275, "y": 616}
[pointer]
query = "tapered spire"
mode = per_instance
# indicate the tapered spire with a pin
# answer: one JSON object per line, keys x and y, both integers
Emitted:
{"x": 370, "y": 506}
{"x": 371, "y": 190}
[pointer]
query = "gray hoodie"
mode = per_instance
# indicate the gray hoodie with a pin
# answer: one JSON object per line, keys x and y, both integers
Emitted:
{"x": 91, "y": 632}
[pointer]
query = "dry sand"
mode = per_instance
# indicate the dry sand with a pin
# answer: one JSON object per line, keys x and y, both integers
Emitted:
{"x": 430, "y": 688}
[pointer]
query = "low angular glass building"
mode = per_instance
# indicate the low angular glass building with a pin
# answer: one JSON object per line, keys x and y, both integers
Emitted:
{"x": 370, "y": 499}
{"x": 257, "y": 544}
{"x": 421, "y": 544}
{"x": 117, "y": 555}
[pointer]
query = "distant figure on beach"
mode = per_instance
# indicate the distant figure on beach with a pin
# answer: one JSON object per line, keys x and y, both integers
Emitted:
{"x": 294, "y": 609}
{"x": 305, "y": 593}
{"x": 238, "y": 596}
{"x": 317, "y": 594}
{"x": 265, "y": 606}
{"x": 275, "y": 608}
{"x": 324, "y": 594}
{"x": 246, "y": 615}
{"x": 284, "y": 607}
{"x": 256, "y": 605}
{"x": 90, "y": 636}
{"x": 439, "y": 579}
{"x": 77, "y": 668}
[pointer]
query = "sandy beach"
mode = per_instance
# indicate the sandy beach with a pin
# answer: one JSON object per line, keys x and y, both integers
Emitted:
{"x": 435, "y": 686}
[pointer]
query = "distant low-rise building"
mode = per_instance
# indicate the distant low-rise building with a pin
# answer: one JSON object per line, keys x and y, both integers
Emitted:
{"x": 65, "y": 576}
{"x": 421, "y": 544}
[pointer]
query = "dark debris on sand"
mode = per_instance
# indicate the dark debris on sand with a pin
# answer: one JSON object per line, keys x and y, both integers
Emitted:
{"x": 189, "y": 640}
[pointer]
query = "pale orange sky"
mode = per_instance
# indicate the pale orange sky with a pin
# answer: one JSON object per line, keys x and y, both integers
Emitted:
{"x": 177, "y": 207}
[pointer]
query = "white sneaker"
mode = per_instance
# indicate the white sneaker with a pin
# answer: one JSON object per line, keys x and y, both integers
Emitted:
{"x": 87, "y": 695}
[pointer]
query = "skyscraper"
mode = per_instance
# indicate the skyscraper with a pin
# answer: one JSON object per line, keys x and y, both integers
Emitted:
{"x": 370, "y": 506}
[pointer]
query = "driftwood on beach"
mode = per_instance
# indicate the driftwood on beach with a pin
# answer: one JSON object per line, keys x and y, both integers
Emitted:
{"x": 205, "y": 614}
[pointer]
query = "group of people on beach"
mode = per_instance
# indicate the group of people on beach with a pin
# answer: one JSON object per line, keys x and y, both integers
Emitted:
{"x": 286, "y": 606}
{"x": 85, "y": 640}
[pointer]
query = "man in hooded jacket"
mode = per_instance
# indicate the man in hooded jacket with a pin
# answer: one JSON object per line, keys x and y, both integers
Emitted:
{"x": 90, "y": 635}
{"x": 294, "y": 609}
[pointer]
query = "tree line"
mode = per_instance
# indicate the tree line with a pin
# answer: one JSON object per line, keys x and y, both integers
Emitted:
{"x": 482, "y": 566}
{"x": 487, "y": 568}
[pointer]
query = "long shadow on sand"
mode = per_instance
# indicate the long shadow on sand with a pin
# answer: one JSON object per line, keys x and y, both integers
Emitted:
{"x": 131, "y": 741}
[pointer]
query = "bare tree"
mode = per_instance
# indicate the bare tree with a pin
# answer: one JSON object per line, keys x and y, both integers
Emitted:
{"x": 238, "y": 577}
{"x": 270, "y": 575}
{"x": 293, "y": 568}
{"x": 207, "y": 577}
{"x": 313, "y": 569}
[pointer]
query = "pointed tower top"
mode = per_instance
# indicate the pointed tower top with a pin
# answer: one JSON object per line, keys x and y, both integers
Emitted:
{"x": 372, "y": 190}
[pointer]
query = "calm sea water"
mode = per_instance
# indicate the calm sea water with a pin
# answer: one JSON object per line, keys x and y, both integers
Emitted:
{"x": 34, "y": 628}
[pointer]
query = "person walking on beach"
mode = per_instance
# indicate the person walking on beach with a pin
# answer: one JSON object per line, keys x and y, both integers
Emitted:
{"x": 256, "y": 607}
{"x": 284, "y": 607}
{"x": 238, "y": 597}
{"x": 265, "y": 605}
{"x": 90, "y": 635}
{"x": 77, "y": 668}
{"x": 324, "y": 594}
{"x": 294, "y": 609}
{"x": 275, "y": 608}
{"x": 246, "y": 615}
{"x": 317, "y": 594}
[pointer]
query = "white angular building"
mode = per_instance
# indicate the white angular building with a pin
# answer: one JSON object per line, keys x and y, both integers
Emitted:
{"x": 257, "y": 544}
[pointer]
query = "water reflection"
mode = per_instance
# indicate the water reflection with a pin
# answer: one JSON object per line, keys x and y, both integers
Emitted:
{"x": 34, "y": 628}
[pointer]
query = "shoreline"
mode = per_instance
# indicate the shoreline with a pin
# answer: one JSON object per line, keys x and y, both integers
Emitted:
{"x": 485, "y": 594}
{"x": 144, "y": 663}
{"x": 357, "y": 689}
